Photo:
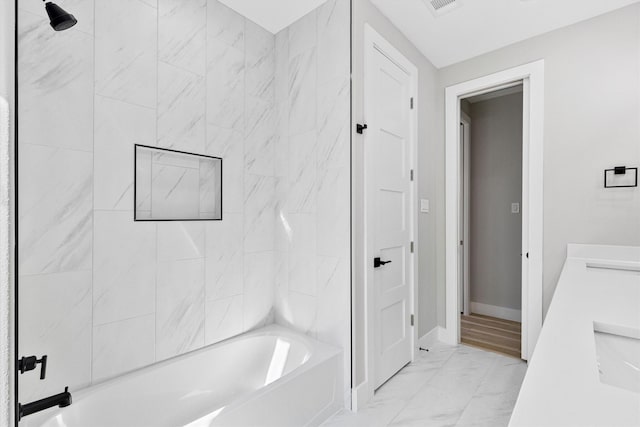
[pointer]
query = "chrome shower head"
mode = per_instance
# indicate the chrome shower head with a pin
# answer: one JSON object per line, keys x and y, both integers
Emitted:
{"x": 59, "y": 18}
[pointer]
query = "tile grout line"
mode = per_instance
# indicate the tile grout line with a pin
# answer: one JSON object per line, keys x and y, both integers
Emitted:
{"x": 93, "y": 199}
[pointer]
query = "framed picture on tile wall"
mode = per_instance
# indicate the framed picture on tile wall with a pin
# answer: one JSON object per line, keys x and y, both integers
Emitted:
{"x": 171, "y": 185}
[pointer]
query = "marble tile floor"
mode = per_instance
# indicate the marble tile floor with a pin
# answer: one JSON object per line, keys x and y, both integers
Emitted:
{"x": 448, "y": 386}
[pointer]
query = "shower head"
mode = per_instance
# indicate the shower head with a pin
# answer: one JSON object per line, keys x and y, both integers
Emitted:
{"x": 60, "y": 19}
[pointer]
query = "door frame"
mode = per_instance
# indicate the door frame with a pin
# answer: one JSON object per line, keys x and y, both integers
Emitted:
{"x": 465, "y": 120}
{"x": 532, "y": 76}
{"x": 373, "y": 42}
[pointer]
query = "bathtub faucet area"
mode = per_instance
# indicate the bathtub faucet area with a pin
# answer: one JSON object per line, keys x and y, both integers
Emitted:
{"x": 60, "y": 400}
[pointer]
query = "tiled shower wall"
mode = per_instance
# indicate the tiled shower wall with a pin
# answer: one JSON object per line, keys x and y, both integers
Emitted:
{"x": 313, "y": 176}
{"x": 101, "y": 294}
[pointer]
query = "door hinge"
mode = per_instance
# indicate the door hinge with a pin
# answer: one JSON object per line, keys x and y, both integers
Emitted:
{"x": 411, "y": 247}
{"x": 412, "y": 320}
{"x": 411, "y": 174}
{"x": 411, "y": 102}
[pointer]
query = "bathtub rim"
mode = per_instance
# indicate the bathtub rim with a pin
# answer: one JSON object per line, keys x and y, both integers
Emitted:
{"x": 319, "y": 352}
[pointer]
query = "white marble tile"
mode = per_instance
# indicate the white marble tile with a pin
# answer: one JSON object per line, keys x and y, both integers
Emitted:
{"x": 126, "y": 47}
{"x": 175, "y": 192}
{"x": 333, "y": 284}
{"x": 225, "y": 85}
{"x": 282, "y": 66}
{"x": 303, "y": 34}
{"x": 302, "y": 91}
{"x": 225, "y": 25}
{"x": 144, "y": 179}
{"x": 123, "y": 346}
{"x": 56, "y": 84}
{"x": 504, "y": 376}
{"x": 258, "y": 289}
{"x": 281, "y": 287}
{"x": 464, "y": 371}
{"x": 488, "y": 410}
{"x": 334, "y": 123}
{"x": 224, "y": 257}
{"x": 376, "y": 414}
{"x": 179, "y": 240}
{"x": 334, "y": 40}
{"x": 81, "y": 9}
{"x": 181, "y": 109}
{"x": 302, "y": 254}
{"x": 260, "y": 137}
{"x": 118, "y": 126}
{"x": 55, "y": 319}
{"x": 259, "y": 213}
{"x": 180, "y": 307}
{"x": 301, "y": 313}
{"x": 434, "y": 407}
{"x": 302, "y": 173}
{"x": 229, "y": 145}
{"x": 281, "y": 145}
{"x": 283, "y": 232}
{"x": 182, "y": 34}
{"x": 210, "y": 188}
{"x": 124, "y": 279}
{"x": 223, "y": 319}
{"x": 55, "y": 209}
{"x": 334, "y": 212}
{"x": 260, "y": 59}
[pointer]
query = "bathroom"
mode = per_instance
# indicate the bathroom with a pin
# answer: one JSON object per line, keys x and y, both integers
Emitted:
{"x": 199, "y": 200}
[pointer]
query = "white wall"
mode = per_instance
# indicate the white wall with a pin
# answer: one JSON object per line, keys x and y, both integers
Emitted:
{"x": 193, "y": 76}
{"x": 431, "y": 226}
{"x": 592, "y": 122}
{"x": 7, "y": 26}
{"x": 313, "y": 177}
{"x": 495, "y": 165}
{"x": 184, "y": 75}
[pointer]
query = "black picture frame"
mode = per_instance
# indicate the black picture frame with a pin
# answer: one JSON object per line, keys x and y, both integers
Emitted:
{"x": 135, "y": 185}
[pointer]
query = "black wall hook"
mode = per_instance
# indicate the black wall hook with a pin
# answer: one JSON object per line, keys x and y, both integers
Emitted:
{"x": 360, "y": 128}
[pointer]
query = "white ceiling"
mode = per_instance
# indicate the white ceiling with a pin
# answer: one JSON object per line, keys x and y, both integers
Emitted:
{"x": 479, "y": 26}
{"x": 273, "y": 15}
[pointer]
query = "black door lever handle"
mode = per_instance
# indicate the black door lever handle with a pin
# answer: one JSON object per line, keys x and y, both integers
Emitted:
{"x": 377, "y": 263}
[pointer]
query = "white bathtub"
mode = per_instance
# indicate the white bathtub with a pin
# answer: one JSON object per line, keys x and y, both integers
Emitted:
{"x": 268, "y": 377}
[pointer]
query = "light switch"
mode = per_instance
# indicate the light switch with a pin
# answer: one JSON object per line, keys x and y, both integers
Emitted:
{"x": 515, "y": 208}
{"x": 424, "y": 205}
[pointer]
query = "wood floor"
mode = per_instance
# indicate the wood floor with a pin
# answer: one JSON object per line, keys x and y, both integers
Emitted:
{"x": 502, "y": 336}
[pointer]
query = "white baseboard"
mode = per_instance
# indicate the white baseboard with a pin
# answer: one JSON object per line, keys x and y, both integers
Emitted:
{"x": 495, "y": 311}
{"x": 431, "y": 337}
{"x": 360, "y": 396}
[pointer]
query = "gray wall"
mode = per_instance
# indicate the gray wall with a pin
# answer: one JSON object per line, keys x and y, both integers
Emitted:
{"x": 592, "y": 122}
{"x": 431, "y": 226}
{"x": 496, "y": 182}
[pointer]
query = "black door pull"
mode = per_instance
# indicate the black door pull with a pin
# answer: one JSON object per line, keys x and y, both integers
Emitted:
{"x": 377, "y": 263}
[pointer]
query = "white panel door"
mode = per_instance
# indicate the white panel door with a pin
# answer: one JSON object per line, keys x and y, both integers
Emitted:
{"x": 390, "y": 180}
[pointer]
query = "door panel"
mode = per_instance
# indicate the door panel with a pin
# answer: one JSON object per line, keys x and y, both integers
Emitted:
{"x": 390, "y": 134}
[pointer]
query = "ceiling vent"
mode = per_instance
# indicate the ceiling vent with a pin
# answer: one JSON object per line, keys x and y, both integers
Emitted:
{"x": 440, "y": 7}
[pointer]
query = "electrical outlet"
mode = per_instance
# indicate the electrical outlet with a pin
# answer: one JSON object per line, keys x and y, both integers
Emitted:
{"x": 515, "y": 208}
{"x": 424, "y": 205}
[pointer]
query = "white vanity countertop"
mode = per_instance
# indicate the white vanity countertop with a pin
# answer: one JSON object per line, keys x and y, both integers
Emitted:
{"x": 562, "y": 386}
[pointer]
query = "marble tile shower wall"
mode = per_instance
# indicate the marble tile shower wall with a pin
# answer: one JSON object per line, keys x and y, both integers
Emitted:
{"x": 313, "y": 176}
{"x": 100, "y": 294}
